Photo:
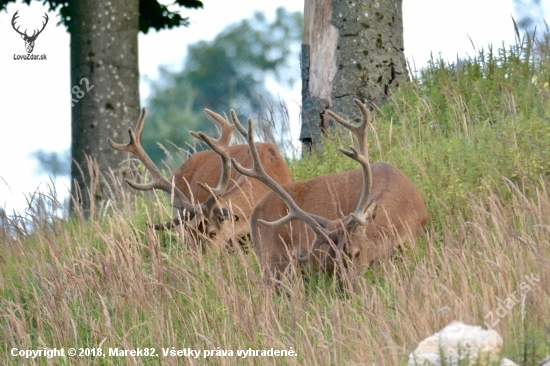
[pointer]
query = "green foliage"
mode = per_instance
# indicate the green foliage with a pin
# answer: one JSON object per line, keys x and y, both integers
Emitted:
{"x": 170, "y": 117}
{"x": 152, "y": 14}
{"x": 463, "y": 129}
{"x": 229, "y": 72}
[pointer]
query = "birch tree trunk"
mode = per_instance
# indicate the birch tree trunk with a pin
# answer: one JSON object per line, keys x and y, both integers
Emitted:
{"x": 352, "y": 49}
{"x": 104, "y": 89}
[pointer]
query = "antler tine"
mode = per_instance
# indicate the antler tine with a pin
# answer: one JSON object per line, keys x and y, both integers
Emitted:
{"x": 158, "y": 182}
{"x": 220, "y": 146}
{"x": 238, "y": 124}
{"x": 134, "y": 137}
{"x": 226, "y": 165}
{"x": 257, "y": 171}
{"x": 227, "y": 129}
{"x": 359, "y": 131}
{"x": 361, "y": 156}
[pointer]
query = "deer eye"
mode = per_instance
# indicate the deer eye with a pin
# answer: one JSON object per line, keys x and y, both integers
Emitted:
{"x": 213, "y": 234}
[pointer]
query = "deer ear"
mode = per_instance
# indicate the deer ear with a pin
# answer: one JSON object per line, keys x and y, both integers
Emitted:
{"x": 224, "y": 214}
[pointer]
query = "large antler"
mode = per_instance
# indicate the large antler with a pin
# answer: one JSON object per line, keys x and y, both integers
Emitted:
{"x": 364, "y": 206}
{"x": 317, "y": 223}
{"x": 220, "y": 146}
{"x": 179, "y": 200}
{"x": 320, "y": 225}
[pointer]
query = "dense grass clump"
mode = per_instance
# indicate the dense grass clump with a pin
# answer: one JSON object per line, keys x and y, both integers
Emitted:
{"x": 473, "y": 137}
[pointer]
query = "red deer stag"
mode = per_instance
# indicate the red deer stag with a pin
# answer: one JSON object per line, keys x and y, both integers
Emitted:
{"x": 219, "y": 214}
{"x": 328, "y": 219}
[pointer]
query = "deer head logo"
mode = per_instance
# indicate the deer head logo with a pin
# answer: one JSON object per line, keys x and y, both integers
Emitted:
{"x": 29, "y": 40}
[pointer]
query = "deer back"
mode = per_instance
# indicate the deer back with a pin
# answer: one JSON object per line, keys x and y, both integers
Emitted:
{"x": 401, "y": 214}
{"x": 205, "y": 167}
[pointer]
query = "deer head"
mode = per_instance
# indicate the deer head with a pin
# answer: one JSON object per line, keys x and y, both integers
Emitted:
{"x": 210, "y": 217}
{"x": 29, "y": 40}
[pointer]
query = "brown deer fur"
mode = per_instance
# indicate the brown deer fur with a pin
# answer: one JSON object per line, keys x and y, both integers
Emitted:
{"x": 400, "y": 217}
{"x": 345, "y": 220}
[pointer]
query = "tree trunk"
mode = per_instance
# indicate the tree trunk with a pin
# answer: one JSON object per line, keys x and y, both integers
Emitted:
{"x": 352, "y": 49}
{"x": 104, "y": 89}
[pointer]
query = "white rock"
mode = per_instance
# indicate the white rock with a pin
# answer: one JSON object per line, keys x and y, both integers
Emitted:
{"x": 458, "y": 342}
{"x": 507, "y": 362}
{"x": 545, "y": 362}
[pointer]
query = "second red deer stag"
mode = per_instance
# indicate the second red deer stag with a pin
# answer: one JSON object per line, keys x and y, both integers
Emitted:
{"x": 220, "y": 215}
{"x": 355, "y": 217}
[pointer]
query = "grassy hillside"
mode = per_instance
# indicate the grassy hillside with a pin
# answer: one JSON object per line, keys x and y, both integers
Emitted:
{"x": 474, "y": 138}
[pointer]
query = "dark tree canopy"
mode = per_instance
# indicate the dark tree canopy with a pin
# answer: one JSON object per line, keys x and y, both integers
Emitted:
{"x": 152, "y": 15}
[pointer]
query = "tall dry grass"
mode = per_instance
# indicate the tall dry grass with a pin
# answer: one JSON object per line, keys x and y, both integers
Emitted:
{"x": 474, "y": 140}
{"x": 112, "y": 283}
